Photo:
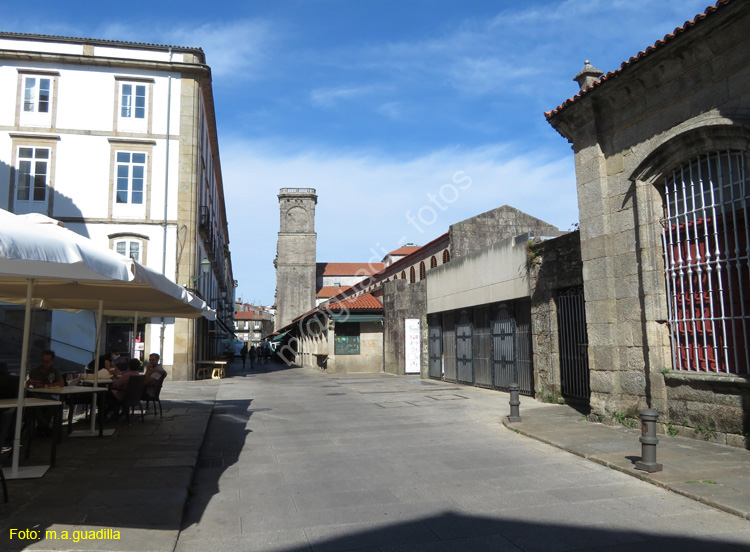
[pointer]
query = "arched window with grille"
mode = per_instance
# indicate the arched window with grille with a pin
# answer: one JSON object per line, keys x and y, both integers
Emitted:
{"x": 446, "y": 256}
{"x": 706, "y": 241}
{"x": 422, "y": 271}
{"x": 433, "y": 262}
{"x": 403, "y": 275}
{"x": 412, "y": 275}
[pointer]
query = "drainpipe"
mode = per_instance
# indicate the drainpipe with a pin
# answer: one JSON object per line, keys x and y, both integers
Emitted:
{"x": 166, "y": 201}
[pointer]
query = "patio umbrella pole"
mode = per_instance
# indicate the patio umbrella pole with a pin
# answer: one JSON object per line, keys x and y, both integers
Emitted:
{"x": 135, "y": 335}
{"x": 92, "y": 432}
{"x": 31, "y": 471}
{"x": 99, "y": 316}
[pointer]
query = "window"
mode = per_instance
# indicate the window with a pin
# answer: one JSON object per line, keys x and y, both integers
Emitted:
{"x": 36, "y": 94}
{"x": 37, "y": 97}
{"x": 133, "y": 105}
{"x": 446, "y": 256}
{"x": 706, "y": 247}
{"x": 346, "y": 341}
{"x": 422, "y": 272}
{"x": 412, "y": 276}
{"x": 32, "y": 172}
{"x": 433, "y": 262}
{"x": 129, "y": 248}
{"x": 131, "y": 169}
{"x": 133, "y": 101}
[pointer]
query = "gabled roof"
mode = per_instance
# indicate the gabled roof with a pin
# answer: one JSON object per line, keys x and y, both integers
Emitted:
{"x": 330, "y": 291}
{"x": 249, "y": 315}
{"x": 406, "y": 250}
{"x": 348, "y": 269}
{"x": 658, "y": 45}
{"x": 361, "y": 302}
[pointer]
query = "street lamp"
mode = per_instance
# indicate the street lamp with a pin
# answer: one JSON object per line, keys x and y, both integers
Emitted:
{"x": 205, "y": 267}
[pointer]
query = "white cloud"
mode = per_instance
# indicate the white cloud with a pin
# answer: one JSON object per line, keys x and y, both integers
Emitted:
{"x": 237, "y": 48}
{"x": 364, "y": 198}
{"x": 329, "y": 97}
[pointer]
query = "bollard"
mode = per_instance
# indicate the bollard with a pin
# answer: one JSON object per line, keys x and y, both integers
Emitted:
{"x": 648, "y": 441}
{"x": 515, "y": 402}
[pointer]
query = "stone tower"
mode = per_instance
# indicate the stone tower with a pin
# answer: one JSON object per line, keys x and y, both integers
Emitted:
{"x": 295, "y": 254}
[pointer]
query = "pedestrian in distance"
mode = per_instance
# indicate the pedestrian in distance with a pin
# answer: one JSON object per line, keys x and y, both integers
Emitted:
{"x": 243, "y": 355}
{"x": 253, "y": 356}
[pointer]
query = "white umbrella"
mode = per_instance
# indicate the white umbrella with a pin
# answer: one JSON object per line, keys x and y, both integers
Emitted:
{"x": 45, "y": 265}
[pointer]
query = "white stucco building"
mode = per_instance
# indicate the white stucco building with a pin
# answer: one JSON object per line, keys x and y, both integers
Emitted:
{"x": 118, "y": 140}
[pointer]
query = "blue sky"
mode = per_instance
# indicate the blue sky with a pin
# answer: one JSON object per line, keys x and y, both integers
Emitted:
{"x": 429, "y": 109}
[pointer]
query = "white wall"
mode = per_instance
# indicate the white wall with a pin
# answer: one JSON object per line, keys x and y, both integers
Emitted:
{"x": 496, "y": 273}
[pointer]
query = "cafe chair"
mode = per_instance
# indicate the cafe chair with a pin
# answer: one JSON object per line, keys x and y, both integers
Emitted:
{"x": 151, "y": 394}
{"x": 5, "y": 421}
{"x": 133, "y": 394}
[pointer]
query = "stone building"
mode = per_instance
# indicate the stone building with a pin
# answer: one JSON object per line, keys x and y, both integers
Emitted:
{"x": 661, "y": 153}
{"x": 442, "y": 268}
{"x": 118, "y": 140}
{"x": 295, "y": 254}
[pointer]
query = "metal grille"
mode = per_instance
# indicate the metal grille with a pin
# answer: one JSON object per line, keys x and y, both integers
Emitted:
{"x": 574, "y": 361}
{"x": 504, "y": 346}
{"x": 482, "y": 347}
{"x": 523, "y": 348}
{"x": 464, "y": 352}
{"x": 435, "y": 347}
{"x": 707, "y": 257}
{"x": 449, "y": 346}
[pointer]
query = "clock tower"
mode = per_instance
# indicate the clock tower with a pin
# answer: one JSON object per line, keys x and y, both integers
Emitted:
{"x": 295, "y": 254}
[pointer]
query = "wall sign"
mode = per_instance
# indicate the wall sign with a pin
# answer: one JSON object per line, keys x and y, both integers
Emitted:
{"x": 412, "y": 346}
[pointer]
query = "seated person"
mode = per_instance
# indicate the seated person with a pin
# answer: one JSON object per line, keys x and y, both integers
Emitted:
{"x": 155, "y": 375}
{"x": 106, "y": 361}
{"x": 119, "y": 388}
{"x": 46, "y": 374}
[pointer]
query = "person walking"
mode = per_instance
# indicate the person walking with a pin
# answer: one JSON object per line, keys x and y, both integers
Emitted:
{"x": 253, "y": 356}
{"x": 243, "y": 355}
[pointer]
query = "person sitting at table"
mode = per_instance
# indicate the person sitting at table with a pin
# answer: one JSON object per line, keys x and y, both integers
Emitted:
{"x": 46, "y": 375}
{"x": 119, "y": 388}
{"x": 107, "y": 361}
{"x": 155, "y": 375}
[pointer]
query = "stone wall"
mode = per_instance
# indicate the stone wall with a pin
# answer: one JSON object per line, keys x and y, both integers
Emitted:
{"x": 684, "y": 99}
{"x": 483, "y": 230}
{"x": 402, "y": 300}
{"x": 554, "y": 265}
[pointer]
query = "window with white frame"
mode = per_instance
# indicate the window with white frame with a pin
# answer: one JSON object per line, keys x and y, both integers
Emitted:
{"x": 706, "y": 240}
{"x": 132, "y": 106}
{"x": 37, "y": 96}
{"x": 133, "y": 101}
{"x": 36, "y": 101}
{"x": 129, "y": 248}
{"x": 32, "y": 174}
{"x": 130, "y": 177}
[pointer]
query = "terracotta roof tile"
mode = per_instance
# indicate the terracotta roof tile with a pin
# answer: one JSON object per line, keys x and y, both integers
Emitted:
{"x": 360, "y": 302}
{"x": 643, "y": 53}
{"x": 348, "y": 269}
{"x": 248, "y": 315}
{"x": 406, "y": 250}
{"x": 330, "y": 291}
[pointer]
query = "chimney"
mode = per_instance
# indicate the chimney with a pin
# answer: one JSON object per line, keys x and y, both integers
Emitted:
{"x": 588, "y": 75}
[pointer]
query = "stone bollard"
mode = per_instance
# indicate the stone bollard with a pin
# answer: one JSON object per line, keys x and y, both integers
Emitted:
{"x": 515, "y": 402}
{"x": 648, "y": 441}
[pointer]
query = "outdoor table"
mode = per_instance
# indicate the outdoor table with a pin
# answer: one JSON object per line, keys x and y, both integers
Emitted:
{"x": 67, "y": 394}
{"x": 218, "y": 372}
{"x": 40, "y": 403}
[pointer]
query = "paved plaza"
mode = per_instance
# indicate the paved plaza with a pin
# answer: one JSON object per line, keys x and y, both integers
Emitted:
{"x": 287, "y": 459}
{"x": 294, "y": 460}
